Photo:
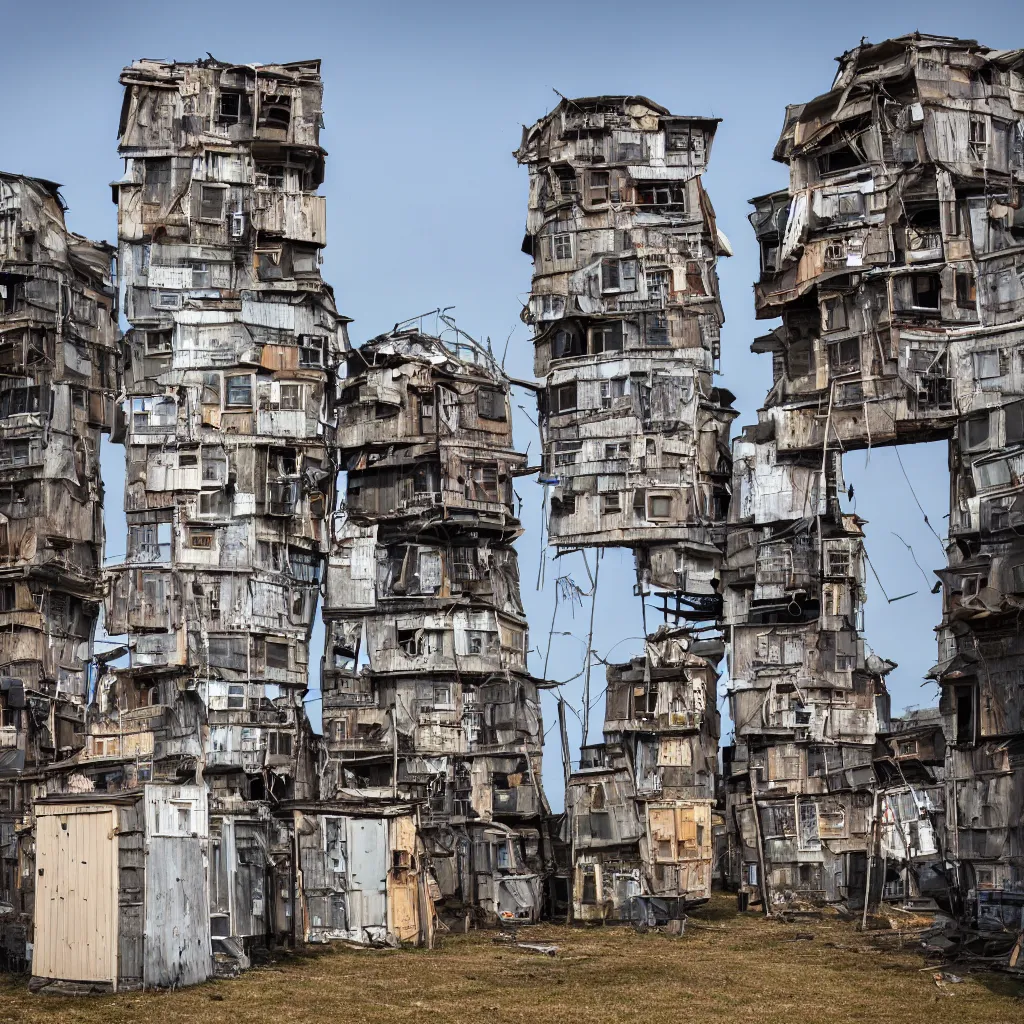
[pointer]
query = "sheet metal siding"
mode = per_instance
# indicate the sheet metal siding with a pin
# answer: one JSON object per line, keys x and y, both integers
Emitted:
{"x": 76, "y": 925}
{"x": 368, "y": 872}
{"x": 178, "y": 949}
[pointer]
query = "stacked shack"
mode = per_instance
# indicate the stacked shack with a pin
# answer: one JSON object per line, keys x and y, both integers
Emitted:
{"x": 425, "y": 686}
{"x": 892, "y": 260}
{"x": 626, "y": 317}
{"x": 59, "y": 363}
{"x": 229, "y": 391}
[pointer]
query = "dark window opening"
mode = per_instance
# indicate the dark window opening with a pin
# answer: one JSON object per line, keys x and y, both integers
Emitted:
{"x": 664, "y": 195}
{"x": 229, "y": 107}
{"x": 275, "y": 111}
{"x": 964, "y": 696}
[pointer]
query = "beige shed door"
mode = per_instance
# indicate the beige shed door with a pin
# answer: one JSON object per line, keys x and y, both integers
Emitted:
{"x": 76, "y": 894}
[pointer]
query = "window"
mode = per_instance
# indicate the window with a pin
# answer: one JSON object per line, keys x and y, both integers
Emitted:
{"x": 657, "y": 286}
{"x": 851, "y": 204}
{"x": 200, "y": 539}
{"x": 482, "y": 484}
{"x": 667, "y": 196}
{"x": 617, "y": 450}
{"x": 490, "y": 404}
{"x": 657, "y": 330}
{"x": 976, "y": 431}
{"x": 1014, "y": 428}
{"x": 270, "y": 175}
{"x": 677, "y": 140}
{"x": 844, "y": 356}
{"x": 277, "y": 654}
{"x": 606, "y": 337}
{"x": 598, "y": 191}
{"x": 978, "y": 138}
{"x": 229, "y": 107}
{"x": 415, "y": 642}
{"x": 618, "y": 275}
{"x": 568, "y": 186}
{"x": 617, "y": 387}
{"x": 611, "y": 503}
{"x": 659, "y": 506}
{"x": 833, "y": 314}
{"x": 236, "y": 697}
{"x": 561, "y": 247}
{"x": 926, "y": 291}
{"x": 566, "y": 343}
{"x": 279, "y": 744}
{"x": 157, "y": 179}
{"x": 239, "y": 390}
{"x": 211, "y": 203}
{"x": 563, "y": 399}
{"x": 986, "y": 365}
{"x": 1017, "y": 579}
{"x": 966, "y": 291}
{"x": 158, "y": 342}
{"x": 311, "y": 350}
{"x": 567, "y": 451}
{"x": 841, "y": 159}
{"x": 275, "y": 111}
{"x": 291, "y": 397}
{"x": 7, "y": 598}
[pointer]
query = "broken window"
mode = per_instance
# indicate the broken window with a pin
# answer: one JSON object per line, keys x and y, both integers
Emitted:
{"x": 966, "y": 290}
{"x": 482, "y": 483}
{"x": 670, "y": 196}
{"x": 598, "y": 188}
{"x": 964, "y": 699}
{"x": 563, "y": 399}
{"x": 986, "y": 365}
{"x": 567, "y": 452}
{"x": 420, "y": 642}
{"x": 606, "y": 337}
{"x": 157, "y": 179}
{"x": 844, "y": 356}
{"x": 229, "y": 107}
{"x": 490, "y": 403}
{"x": 1014, "y": 422}
{"x": 311, "y": 350}
{"x": 833, "y": 314}
{"x": 275, "y": 111}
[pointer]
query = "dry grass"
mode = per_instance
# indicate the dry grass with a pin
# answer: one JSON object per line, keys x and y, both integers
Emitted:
{"x": 728, "y": 967}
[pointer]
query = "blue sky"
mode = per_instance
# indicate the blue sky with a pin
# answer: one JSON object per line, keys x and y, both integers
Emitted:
{"x": 423, "y": 107}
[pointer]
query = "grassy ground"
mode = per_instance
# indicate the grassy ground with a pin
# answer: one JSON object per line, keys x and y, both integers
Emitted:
{"x": 729, "y": 967}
